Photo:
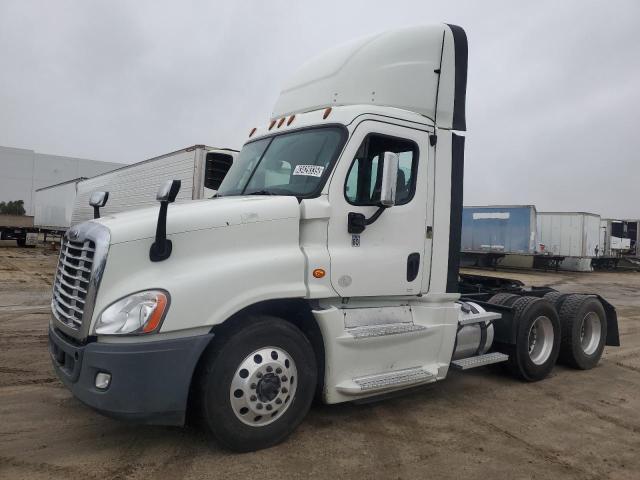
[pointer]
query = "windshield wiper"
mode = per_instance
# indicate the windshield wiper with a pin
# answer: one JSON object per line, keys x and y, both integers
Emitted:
{"x": 261, "y": 192}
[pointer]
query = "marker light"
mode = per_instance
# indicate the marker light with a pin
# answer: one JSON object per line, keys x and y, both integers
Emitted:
{"x": 271, "y": 124}
{"x": 291, "y": 119}
{"x": 138, "y": 313}
{"x": 253, "y": 130}
{"x": 319, "y": 273}
{"x": 326, "y": 113}
{"x": 281, "y": 122}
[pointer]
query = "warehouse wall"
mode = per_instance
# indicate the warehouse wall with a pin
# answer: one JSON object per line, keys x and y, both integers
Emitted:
{"x": 22, "y": 171}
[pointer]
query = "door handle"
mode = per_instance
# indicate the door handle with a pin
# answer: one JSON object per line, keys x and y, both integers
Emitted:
{"x": 413, "y": 266}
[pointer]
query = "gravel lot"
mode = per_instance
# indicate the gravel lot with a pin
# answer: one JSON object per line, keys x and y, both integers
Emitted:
{"x": 479, "y": 424}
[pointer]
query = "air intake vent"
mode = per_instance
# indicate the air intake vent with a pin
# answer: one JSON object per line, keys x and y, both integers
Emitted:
{"x": 216, "y": 168}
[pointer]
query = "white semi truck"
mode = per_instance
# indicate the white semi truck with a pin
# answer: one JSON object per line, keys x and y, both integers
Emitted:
{"x": 326, "y": 266}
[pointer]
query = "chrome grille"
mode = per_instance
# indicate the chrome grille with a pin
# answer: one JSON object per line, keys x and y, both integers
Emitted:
{"x": 72, "y": 280}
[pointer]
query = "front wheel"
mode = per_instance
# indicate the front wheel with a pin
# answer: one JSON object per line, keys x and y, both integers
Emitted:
{"x": 258, "y": 384}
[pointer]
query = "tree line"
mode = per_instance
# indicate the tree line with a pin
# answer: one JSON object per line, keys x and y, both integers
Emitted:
{"x": 12, "y": 207}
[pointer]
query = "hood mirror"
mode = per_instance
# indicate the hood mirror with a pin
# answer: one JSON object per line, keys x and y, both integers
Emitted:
{"x": 168, "y": 191}
{"x": 97, "y": 201}
{"x": 161, "y": 248}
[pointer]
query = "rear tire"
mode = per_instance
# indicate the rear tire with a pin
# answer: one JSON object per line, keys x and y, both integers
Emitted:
{"x": 505, "y": 299}
{"x": 557, "y": 299}
{"x": 538, "y": 339}
{"x": 257, "y": 384}
{"x": 584, "y": 331}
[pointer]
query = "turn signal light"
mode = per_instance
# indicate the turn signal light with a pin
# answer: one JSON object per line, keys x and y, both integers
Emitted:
{"x": 319, "y": 273}
{"x": 157, "y": 314}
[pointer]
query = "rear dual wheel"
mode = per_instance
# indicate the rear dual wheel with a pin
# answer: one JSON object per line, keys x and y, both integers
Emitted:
{"x": 537, "y": 341}
{"x": 584, "y": 331}
{"x": 584, "y": 328}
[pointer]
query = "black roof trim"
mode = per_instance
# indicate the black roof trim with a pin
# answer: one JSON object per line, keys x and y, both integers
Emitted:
{"x": 460, "y": 93}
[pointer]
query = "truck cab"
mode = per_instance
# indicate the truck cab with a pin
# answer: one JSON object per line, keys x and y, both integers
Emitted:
{"x": 326, "y": 265}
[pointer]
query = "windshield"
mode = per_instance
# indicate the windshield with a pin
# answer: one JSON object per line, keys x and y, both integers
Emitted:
{"x": 295, "y": 163}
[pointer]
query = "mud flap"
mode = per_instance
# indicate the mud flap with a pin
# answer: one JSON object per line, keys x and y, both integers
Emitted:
{"x": 613, "y": 335}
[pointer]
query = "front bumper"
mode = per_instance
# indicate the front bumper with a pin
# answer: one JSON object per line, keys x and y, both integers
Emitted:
{"x": 149, "y": 381}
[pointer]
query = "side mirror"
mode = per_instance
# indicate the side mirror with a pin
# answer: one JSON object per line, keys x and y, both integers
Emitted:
{"x": 161, "y": 248}
{"x": 97, "y": 201}
{"x": 357, "y": 222}
{"x": 389, "y": 179}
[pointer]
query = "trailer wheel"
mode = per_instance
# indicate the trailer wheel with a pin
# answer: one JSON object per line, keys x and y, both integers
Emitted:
{"x": 538, "y": 339}
{"x": 505, "y": 299}
{"x": 21, "y": 241}
{"x": 257, "y": 384}
{"x": 584, "y": 331}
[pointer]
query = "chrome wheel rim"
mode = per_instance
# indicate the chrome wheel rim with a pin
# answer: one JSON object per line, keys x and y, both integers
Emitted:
{"x": 590, "y": 332}
{"x": 540, "y": 340}
{"x": 263, "y": 386}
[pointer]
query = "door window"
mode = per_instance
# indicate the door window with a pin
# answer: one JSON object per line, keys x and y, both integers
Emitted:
{"x": 365, "y": 175}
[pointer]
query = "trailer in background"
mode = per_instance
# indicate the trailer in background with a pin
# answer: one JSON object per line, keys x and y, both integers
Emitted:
{"x": 200, "y": 168}
{"x": 619, "y": 237}
{"x": 505, "y": 229}
{"x": 19, "y": 228}
{"x": 54, "y": 207}
{"x": 500, "y": 234}
{"x": 573, "y": 235}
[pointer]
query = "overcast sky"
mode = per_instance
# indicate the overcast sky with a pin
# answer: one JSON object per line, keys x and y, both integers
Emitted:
{"x": 553, "y": 101}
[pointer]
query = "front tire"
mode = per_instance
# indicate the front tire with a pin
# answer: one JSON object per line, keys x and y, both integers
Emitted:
{"x": 257, "y": 384}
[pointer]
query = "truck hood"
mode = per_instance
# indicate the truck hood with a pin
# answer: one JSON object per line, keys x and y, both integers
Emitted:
{"x": 200, "y": 215}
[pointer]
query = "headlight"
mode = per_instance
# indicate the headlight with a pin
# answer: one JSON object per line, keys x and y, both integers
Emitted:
{"x": 140, "y": 312}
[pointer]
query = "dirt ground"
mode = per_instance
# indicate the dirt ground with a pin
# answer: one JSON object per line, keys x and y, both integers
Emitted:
{"x": 481, "y": 424}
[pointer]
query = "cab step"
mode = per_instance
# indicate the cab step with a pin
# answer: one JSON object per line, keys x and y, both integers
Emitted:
{"x": 371, "y": 331}
{"x": 386, "y": 381}
{"x": 479, "y": 361}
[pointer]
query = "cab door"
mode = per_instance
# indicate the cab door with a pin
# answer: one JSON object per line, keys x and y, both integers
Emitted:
{"x": 392, "y": 255}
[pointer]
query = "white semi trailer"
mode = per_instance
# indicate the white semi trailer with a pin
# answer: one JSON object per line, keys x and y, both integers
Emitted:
{"x": 327, "y": 265}
{"x": 200, "y": 168}
{"x": 54, "y": 205}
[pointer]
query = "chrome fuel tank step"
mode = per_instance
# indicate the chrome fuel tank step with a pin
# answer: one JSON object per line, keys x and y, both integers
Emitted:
{"x": 479, "y": 361}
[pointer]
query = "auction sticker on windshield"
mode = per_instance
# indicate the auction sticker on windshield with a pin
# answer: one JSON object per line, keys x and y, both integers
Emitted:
{"x": 308, "y": 170}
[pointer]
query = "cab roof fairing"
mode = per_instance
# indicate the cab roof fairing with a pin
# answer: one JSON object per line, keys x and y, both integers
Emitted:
{"x": 422, "y": 69}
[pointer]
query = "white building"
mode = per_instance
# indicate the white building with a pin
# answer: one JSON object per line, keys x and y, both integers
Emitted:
{"x": 23, "y": 171}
